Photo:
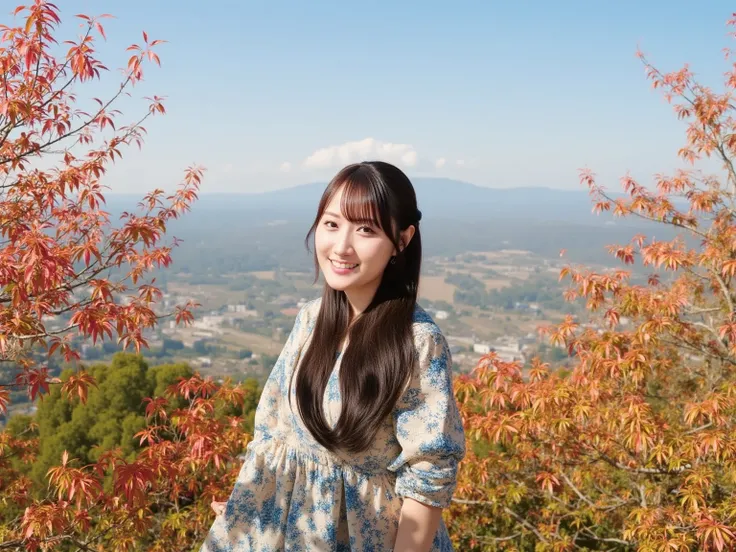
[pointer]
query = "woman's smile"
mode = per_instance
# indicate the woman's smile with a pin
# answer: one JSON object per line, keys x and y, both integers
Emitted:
{"x": 343, "y": 268}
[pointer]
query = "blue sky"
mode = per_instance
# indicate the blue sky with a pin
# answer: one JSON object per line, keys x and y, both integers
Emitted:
{"x": 270, "y": 94}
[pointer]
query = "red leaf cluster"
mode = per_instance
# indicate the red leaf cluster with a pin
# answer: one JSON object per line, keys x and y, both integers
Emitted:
{"x": 58, "y": 243}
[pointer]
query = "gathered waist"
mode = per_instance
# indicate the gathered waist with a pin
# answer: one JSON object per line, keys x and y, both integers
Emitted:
{"x": 301, "y": 454}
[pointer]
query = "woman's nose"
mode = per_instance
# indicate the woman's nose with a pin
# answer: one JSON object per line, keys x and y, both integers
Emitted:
{"x": 343, "y": 244}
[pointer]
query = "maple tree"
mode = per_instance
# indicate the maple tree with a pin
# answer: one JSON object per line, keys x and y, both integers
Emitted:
{"x": 59, "y": 247}
{"x": 63, "y": 259}
{"x": 635, "y": 447}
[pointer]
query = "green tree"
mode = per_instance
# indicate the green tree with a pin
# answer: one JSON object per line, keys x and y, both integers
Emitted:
{"x": 113, "y": 413}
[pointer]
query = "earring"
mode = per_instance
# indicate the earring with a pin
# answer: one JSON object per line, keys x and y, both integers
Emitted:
{"x": 393, "y": 259}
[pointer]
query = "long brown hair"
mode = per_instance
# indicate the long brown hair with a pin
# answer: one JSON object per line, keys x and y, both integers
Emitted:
{"x": 378, "y": 361}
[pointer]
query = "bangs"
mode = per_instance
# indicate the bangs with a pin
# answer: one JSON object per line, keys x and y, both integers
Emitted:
{"x": 362, "y": 202}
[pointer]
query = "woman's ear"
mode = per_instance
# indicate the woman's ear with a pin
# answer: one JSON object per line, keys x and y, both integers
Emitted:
{"x": 406, "y": 237}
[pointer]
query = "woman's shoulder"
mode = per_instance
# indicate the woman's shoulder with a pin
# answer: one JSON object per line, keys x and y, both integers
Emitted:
{"x": 309, "y": 311}
{"x": 431, "y": 346}
{"x": 423, "y": 324}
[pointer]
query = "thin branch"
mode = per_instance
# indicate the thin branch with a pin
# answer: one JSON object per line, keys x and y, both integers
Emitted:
{"x": 680, "y": 342}
{"x": 90, "y": 121}
{"x": 593, "y": 536}
{"x": 642, "y": 494}
{"x": 526, "y": 524}
{"x": 694, "y": 312}
{"x": 11, "y": 125}
{"x": 695, "y": 273}
{"x": 6, "y": 130}
{"x": 493, "y": 540}
{"x": 724, "y": 290}
{"x": 507, "y": 510}
{"x": 649, "y": 471}
{"x": 659, "y": 221}
{"x": 577, "y": 491}
{"x": 710, "y": 329}
{"x": 45, "y": 334}
{"x": 701, "y": 428}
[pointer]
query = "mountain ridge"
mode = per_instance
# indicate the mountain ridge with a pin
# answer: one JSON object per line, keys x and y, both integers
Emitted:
{"x": 440, "y": 198}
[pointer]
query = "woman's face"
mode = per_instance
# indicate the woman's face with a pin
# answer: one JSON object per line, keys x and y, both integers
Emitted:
{"x": 351, "y": 256}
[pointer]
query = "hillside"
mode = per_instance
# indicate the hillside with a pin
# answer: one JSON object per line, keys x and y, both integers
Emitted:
{"x": 266, "y": 230}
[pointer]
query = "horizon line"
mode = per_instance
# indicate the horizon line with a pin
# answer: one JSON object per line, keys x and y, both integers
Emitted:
{"x": 324, "y": 183}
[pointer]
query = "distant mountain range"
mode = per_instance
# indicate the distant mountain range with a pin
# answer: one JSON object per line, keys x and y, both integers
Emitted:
{"x": 457, "y": 217}
{"x": 438, "y": 198}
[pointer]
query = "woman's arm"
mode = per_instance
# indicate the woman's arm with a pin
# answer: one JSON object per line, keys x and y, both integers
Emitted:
{"x": 418, "y": 526}
{"x": 429, "y": 430}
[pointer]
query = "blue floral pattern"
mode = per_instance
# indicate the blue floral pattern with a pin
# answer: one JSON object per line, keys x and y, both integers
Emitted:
{"x": 294, "y": 495}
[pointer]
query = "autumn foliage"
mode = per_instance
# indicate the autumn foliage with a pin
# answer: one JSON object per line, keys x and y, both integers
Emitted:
{"x": 58, "y": 242}
{"x": 62, "y": 258}
{"x": 635, "y": 447}
{"x": 159, "y": 500}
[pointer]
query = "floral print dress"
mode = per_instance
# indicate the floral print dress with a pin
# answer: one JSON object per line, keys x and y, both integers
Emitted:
{"x": 294, "y": 495}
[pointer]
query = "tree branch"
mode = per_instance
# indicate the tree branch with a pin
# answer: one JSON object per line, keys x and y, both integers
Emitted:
{"x": 593, "y": 536}
{"x": 507, "y": 510}
{"x": 39, "y": 149}
{"x": 577, "y": 491}
{"x": 649, "y": 471}
{"x": 493, "y": 540}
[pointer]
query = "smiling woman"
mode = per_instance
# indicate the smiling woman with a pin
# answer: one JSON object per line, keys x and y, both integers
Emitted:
{"x": 357, "y": 433}
{"x": 355, "y": 237}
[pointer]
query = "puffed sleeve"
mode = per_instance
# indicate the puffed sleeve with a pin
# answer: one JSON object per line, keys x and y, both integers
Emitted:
{"x": 428, "y": 426}
{"x": 266, "y": 416}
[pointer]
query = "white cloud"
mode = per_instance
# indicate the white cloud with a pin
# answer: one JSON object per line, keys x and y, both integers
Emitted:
{"x": 460, "y": 162}
{"x": 409, "y": 159}
{"x": 285, "y": 166}
{"x": 334, "y": 157}
{"x": 440, "y": 163}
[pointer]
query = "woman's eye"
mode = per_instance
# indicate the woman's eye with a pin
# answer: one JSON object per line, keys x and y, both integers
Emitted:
{"x": 367, "y": 229}
{"x": 330, "y": 224}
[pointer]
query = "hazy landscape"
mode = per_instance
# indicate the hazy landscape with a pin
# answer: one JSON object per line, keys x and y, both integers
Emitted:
{"x": 266, "y": 230}
{"x": 490, "y": 274}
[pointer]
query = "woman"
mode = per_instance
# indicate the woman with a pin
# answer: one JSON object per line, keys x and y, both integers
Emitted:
{"x": 357, "y": 433}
